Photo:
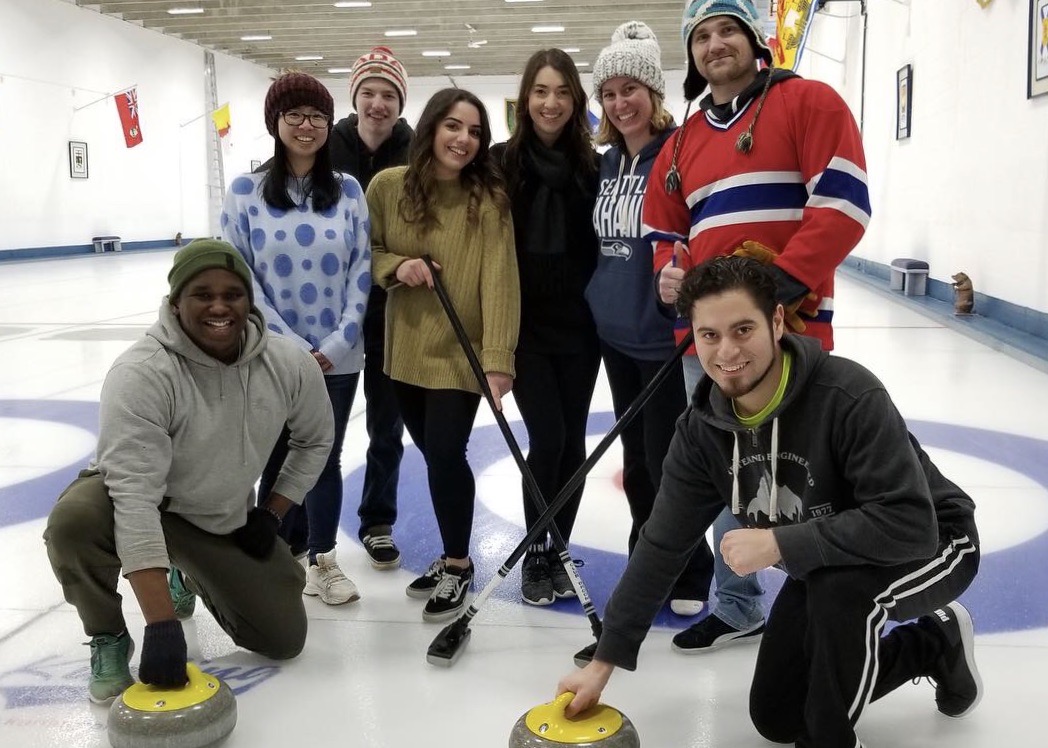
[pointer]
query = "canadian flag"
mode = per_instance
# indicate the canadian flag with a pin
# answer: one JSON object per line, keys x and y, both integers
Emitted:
{"x": 127, "y": 107}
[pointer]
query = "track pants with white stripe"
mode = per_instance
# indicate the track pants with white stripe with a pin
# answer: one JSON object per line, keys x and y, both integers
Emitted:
{"x": 823, "y": 658}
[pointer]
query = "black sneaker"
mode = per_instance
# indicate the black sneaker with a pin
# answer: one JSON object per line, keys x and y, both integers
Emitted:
{"x": 711, "y": 633}
{"x": 535, "y": 585}
{"x": 585, "y": 655}
{"x": 958, "y": 685}
{"x": 383, "y": 552}
{"x": 449, "y": 597}
{"x": 558, "y": 575}
{"x": 423, "y": 587}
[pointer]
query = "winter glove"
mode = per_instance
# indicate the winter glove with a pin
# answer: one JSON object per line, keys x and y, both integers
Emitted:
{"x": 259, "y": 534}
{"x": 164, "y": 655}
{"x": 789, "y": 287}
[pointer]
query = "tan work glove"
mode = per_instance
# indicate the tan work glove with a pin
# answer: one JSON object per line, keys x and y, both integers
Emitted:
{"x": 766, "y": 256}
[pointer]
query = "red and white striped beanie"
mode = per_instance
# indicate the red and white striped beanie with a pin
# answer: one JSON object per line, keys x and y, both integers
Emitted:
{"x": 379, "y": 63}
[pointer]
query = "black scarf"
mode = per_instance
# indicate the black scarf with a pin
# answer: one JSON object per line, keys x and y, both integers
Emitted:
{"x": 552, "y": 183}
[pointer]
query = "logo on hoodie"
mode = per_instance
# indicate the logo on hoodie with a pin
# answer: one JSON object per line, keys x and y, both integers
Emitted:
{"x": 787, "y": 503}
{"x": 615, "y": 248}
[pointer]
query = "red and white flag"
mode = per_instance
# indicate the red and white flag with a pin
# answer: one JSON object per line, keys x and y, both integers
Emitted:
{"x": 127, "y": 107}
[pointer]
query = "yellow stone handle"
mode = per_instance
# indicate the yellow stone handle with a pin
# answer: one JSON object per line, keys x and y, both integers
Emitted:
{"x": 200, "y": 688}
{"x": 595, "y": 723}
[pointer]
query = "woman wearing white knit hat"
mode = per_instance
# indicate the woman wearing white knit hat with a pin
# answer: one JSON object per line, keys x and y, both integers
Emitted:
{"x": 636, "y": 339}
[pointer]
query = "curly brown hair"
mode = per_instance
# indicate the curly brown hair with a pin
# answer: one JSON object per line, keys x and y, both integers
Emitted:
{"x": 479, "y": 176}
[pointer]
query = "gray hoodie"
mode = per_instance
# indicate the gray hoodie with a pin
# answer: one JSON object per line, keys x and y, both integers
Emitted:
{"x": 182, "y": 430}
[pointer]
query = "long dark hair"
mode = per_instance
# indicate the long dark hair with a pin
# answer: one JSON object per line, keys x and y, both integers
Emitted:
{"x": 479, "y": 175}
{"x": 576, "y": 131}
{"x": 323, "y": 185}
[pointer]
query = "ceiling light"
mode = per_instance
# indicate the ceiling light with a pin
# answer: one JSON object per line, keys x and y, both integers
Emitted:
{"x": 436, "y": 53}
{"x": 256, "y": 38}
{"x": 361, "y": 4}
{"x": 547, "y": 29}
{"x": 570, "y": 50}
{"x": 401, "y": 32}
{"x": 306, "y": 58}
{"x": 334, "y": 71}
{"x": 523, "y": 1}
{"x": 184, "y": 11}
{"x": 582, "y": 64}
{"x": 456, "y": 67}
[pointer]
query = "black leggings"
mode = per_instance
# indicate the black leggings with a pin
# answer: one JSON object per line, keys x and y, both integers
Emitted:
{"x": 553, "y": 393}
{"x": 440, "y": 422}
{"x": 645, "y": 443}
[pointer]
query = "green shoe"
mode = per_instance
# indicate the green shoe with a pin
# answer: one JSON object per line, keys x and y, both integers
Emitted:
{"x": 110, "y": 675}
{"x": 184, "y": 600}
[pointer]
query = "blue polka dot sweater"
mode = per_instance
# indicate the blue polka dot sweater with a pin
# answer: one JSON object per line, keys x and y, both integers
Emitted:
{"x": 311, "y": 271}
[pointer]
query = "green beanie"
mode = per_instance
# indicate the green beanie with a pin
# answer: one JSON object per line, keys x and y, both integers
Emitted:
{"x": 203, "y": 254}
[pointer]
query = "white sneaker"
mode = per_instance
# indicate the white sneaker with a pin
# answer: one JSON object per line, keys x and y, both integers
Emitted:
{"x": 687, "y": 607}
{"x": 325, "y": 579}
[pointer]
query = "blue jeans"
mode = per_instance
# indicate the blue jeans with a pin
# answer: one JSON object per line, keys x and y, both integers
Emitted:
{"x": 738, "y": 598}
{"x": 314, "y": 524}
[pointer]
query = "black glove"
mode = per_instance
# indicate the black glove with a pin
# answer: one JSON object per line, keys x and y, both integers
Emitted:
{"x": 164, "y": 655}
{"x": 259, "y": 534}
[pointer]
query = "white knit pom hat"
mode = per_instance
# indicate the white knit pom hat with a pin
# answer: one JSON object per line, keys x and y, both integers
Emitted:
{"x": 633, "y": 53}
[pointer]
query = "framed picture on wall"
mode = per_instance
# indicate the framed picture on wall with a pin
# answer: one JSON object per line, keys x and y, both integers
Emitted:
{"x": 77, "y": 159}
{"x": 1037, "y": 74}
{"x": 904, "y": 101}
{"x": 511, "y": 115}
{"x": 255, "y": 163}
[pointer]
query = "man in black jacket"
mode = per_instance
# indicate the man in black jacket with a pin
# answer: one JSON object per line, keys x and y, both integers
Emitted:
{"x": 363, "y": 144}
{"x": 812, "y": 457}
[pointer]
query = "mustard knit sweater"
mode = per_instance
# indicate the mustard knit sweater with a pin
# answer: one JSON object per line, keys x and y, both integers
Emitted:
{"x": 479, "y": 271}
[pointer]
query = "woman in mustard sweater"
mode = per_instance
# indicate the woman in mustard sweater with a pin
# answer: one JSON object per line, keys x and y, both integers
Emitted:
{"x": 448, "y": 203}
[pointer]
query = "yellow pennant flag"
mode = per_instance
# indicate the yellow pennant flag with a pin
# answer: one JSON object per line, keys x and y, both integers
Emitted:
{"x": 221, "y": 119}
{"x": 792, "y": 21}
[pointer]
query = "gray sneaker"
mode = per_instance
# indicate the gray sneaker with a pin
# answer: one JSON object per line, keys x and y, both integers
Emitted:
{"x": 110, "y": 674}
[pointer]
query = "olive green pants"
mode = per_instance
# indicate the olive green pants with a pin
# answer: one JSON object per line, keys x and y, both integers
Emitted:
{"x": 257, "y": 602}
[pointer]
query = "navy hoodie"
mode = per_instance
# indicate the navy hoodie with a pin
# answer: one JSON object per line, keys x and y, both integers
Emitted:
{"x": 621, "y": 293}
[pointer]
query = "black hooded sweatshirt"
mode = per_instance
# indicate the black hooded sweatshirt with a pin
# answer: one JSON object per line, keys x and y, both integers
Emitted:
{"x": 832, "y": 470}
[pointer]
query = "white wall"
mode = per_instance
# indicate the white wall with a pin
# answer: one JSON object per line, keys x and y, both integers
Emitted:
{"x": 57, "y": 65}
{"x": 968, "y": 191}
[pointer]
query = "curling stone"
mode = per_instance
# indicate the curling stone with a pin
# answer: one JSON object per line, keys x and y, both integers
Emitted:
{"x": 600, "y": 726}
{"x": 199, "y": 714}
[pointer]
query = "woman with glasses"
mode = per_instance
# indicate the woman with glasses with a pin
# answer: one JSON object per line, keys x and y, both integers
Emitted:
{"x": 303, "y": 230}
{"x": 447, "y": 203}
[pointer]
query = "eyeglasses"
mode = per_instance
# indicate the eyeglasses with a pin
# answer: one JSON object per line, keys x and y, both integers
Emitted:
{"x": 297, "y": 118}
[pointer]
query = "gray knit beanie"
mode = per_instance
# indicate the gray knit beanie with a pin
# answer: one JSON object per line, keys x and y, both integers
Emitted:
{"x": 633, "y": 53}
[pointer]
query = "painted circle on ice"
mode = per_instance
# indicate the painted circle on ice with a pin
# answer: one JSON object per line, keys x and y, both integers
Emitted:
{"x": 1008, "y": 478}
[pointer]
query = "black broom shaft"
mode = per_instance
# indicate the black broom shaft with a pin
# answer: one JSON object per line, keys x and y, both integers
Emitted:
{"x": 580, "y": 475}
{"x": 478, "y": 372}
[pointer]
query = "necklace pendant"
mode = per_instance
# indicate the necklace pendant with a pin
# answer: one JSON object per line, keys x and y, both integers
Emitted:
{"x": 672, "y": 180}
{"x": 745, "y": 143}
